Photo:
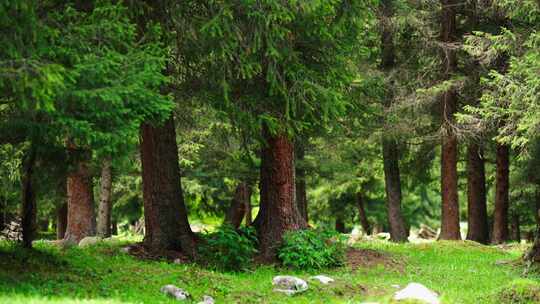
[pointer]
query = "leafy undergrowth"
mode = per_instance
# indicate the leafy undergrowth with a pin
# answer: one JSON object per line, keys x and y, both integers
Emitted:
{"x": 461, "y": 272}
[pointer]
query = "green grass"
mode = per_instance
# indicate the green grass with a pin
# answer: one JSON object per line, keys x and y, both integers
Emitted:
{"x": 461, "y": 272}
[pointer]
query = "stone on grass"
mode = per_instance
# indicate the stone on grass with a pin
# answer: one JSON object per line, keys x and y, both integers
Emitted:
{"x": 289, "y": 285}
{"x": 419, "y": 292}
{"x": 207, "y": 300}
{"x": 89, "y": 240}
{"x": 323, "y": 279}
{"x": 175, "y": 292}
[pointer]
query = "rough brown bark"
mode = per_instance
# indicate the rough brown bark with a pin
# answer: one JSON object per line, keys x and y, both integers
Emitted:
{"x": 165, "y": 214}
{"x": 300, "y": 180}
{"x": 61, "y": 220}
{"x": 476, "y": 195}
{"x": 449, "y": 149}
{"x": 239, "y": 203}
{"x": 500, "y": 213}
{"x": 362, "y": 216}
{"x": 249, "y": 219}
{"x": 81, "y": 221}
{"x": 105, "y": 203}
{"x": 29, "y": 208}
{"x": 278, "y": 213}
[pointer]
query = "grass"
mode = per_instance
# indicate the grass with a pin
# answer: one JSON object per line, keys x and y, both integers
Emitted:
{"x": 461, "y": 272}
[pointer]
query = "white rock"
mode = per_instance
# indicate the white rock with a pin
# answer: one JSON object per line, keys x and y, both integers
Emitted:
{"x": 207, "y": 300}
{"x": 175, "y": 292}
{"x": 289, "y": 285}
{"x": 89, "y": 240}
{"x": 323, "y": 279}
{"x": 416, "y": 291}
{"x": 396, "y": 286}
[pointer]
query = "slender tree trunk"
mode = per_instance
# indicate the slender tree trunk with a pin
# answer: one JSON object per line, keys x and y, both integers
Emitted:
{"x": 340, "y": 224}
{"x": 300, "y": 179}
{"x": 537, "y": 204}
{"x": 515, "y": 228}
{"x": 238, "y": 209}
{"x": 500, "y": 213}
{"x": 105, "y": 203}
{"x": 449, "y": 150}
{"x": 398, "y": 229}
{"x": 81, "y": 220}
{"x": 249, "y": 219}
{"x": 476, "y": 195}
{"x": 114, "y": 228}
{"x": 278, "y": 213}
{"x": 362, "y": 216}
{"x": 29, "y": 208}
{"x": 61, "y": 220}
{"x": 2, "y": 212}
{"x": 165, "y": 214}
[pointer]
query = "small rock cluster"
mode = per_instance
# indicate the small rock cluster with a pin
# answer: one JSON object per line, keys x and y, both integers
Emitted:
{"x": 12, "y": 231}
{"x": 181, "y": 295}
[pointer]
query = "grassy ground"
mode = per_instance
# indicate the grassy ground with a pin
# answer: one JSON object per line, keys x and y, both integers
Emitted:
{"x": 461, "y": 272}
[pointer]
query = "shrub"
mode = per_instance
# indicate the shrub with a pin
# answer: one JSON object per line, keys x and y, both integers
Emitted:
{"x": 229, "y": 249}
{"x": 312, "y": 249}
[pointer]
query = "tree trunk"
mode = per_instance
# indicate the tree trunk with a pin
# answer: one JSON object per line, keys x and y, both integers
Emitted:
{"x": 165, "y": 214}
{"x": 249, "y": 219}
{"x": 362, "y": 216}
{"x": 114, "y": 228}
{"x": 81, "y": 221}
{"x": 300, "y": 180}
{"x": 515, "y": 228}
{"x": 500, "y": 213}
{"x": 537, "y": 209}
{"x": 278, "y": 213}
{"x": 238, "y": 208}
{"x": 476, "y": 196}
{"x": 29, "y": 208}
{"x": 340, "y": 225}
{"x": 449, "y": 150}
{"x": 398, "y": 229}
{"x": 105, "y": 203}
{"x": 61, "y": 220}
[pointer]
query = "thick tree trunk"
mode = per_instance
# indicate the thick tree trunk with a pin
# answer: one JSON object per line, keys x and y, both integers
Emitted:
{"x": 300, "y": 179}
{"x": 165, "y": 214}
{"x": 238, "y": 208}
{"x": 500, "y": 213}
{"x": 476, "y": 196}
{"x": 61, "y": 220}
{"x": 449, "y": 150}
{"x": 29, "y": 208}
{"x": 105, "y": 203}
{"x": 278, "y": 213}
{"x": 81, "y": 220}
{"x": 362, "y": 216}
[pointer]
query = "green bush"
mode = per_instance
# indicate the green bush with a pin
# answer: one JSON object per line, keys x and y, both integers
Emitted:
{"x": 229, "y": 249}
{"x": 312, "y": 249}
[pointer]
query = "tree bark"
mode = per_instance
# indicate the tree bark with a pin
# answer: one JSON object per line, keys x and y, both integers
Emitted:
{"x": 61, "y": 220}
{"x": 515, "y": 228}
{"x": 362, "y": 216}
{"x": 29, "y": 208}
{"x": 300, "y": 179}
{"x": 449, "y": 150}
{"x": 238, "y": 208}
{"x": 105, "y": 203}
{"x": 340, "y": 224}
{"x": 249, "y": 219}
{"x": 279, "y": 212}
{"x": 81, "y": 221}
{"x": 165, "y": 214}
{"x": 500, "y": 213}
{"x": 476, "y": 196}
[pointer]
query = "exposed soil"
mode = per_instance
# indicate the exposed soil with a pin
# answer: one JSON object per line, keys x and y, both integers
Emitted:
{"x": 364, "y": 258}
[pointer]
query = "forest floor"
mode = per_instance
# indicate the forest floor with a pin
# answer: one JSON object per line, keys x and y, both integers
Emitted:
{"x": 461, "y": 272}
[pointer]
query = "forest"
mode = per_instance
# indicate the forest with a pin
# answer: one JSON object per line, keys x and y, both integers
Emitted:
{"x": 269, "y": 151}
